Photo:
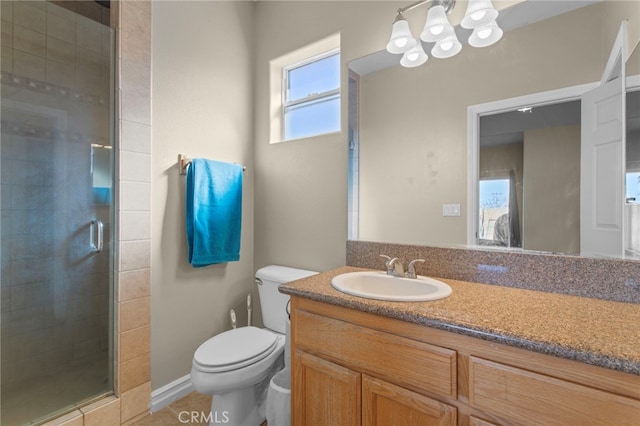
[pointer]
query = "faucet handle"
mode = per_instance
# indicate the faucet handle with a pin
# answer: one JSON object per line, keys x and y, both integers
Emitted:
{"x": 411, "y": 269}
{"x": 394, "y": 267}
{"x": 388, "y": 261}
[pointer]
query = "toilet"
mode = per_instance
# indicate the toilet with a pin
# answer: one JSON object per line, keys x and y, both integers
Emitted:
{"x": 237, "y": 365}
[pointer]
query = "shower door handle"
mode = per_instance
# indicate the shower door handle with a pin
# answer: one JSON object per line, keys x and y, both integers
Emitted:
{"x": 97, "y": 235}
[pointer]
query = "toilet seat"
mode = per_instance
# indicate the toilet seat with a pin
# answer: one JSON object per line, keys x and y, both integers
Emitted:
{"x": 234, "y": 349}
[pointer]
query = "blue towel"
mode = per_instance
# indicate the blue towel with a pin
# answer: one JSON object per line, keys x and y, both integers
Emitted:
{"x": 214, "y": 212}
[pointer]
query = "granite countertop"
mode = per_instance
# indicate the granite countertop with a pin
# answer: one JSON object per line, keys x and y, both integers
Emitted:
{"x": 597, "y": 332}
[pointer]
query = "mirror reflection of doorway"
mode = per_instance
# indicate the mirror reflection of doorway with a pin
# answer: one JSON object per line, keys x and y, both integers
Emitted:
{"x": 538, "y": 150}
{"x": 542, "y": 146}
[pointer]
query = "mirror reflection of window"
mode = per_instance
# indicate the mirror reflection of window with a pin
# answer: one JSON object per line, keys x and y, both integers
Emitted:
{"x": 632, "y": 176}
{"x": 498, "y": 211}
{"x": 633, "y": 188}
{"x": 101, "y": 173}
{"x": 494, "y": 207}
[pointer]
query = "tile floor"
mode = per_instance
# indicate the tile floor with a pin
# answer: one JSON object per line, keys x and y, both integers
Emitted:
{"x": 171, "y": 415}
{"x": 174, "y": 414}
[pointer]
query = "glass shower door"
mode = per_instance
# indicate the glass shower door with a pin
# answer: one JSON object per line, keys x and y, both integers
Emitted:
{"x": 56, "y": 204}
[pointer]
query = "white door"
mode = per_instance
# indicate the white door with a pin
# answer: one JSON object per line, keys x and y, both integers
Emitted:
{"x": 603, "y": 159}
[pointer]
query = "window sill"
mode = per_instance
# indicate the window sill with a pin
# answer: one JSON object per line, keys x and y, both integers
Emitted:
{"x": 306, "y": 138}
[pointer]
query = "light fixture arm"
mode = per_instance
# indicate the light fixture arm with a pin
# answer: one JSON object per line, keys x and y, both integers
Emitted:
{"x": 447, "y": 4}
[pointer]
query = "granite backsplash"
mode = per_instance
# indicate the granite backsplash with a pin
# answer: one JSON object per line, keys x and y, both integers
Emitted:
{"x": 607, "y": 279}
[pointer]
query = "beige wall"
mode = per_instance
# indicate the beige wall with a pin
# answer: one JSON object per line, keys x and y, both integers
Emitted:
{"x": 301, "y": 186}
{"x": 552, "y": 194}
{"x": 414, "y": 121}
{"x": 202, "y": 107}
{"x": 205, "y": 109}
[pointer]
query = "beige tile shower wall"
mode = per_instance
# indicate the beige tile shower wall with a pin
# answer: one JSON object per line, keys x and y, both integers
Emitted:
{"x": 132, "y": 297}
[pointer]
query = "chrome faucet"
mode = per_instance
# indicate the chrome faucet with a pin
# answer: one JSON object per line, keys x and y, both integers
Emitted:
{"x": 394, "y": 266}
{"x": 411, "y": 269}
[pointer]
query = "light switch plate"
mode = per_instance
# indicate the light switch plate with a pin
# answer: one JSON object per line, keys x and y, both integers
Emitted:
{"x": 451, "y": 210}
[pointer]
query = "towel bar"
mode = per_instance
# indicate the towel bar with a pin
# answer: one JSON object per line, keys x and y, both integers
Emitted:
{"x": 183, "y": 163}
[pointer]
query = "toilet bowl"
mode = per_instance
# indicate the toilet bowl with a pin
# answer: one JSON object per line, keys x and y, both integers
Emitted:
{"x": 237, "y": 384}
{"x": 235, "y": 367}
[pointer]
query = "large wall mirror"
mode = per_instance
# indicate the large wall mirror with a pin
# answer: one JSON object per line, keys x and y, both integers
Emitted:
{"x": 409, "y": 155}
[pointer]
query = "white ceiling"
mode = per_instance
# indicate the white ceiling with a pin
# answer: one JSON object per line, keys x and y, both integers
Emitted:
{"x": 508, "y": 127}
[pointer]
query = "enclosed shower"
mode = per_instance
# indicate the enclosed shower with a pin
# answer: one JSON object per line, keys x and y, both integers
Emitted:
{"x": 57, "y": 204}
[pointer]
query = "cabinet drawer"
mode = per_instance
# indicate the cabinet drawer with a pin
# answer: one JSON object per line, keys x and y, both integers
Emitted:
{"x": 399, "y": 360}
{"x": 525, "y": 397}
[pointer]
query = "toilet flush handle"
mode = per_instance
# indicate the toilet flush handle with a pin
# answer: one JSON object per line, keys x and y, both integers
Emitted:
{"x": 258, "y": 281}
{"x": 234, "y": 323}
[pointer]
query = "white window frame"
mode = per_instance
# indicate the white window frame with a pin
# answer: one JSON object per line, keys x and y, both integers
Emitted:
{"x": 310, "y": 98}
{"x": 276, "y": 65}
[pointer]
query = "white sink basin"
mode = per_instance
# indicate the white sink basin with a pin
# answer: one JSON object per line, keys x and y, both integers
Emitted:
{"x": 380, "y": 286}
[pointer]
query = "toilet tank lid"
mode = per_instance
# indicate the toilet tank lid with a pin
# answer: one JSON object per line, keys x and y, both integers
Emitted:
{"x": 282, "y": 274}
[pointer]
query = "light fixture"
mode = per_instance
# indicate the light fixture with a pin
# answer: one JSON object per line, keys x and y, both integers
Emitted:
{"x": 479, "y": 13}
{"x": 480, "y": 16}
{"x": 401, "y": 39}
{"x": 486, "y": 35}
{"x": 437, "y": 26}
{"x": 447, "y": 47}
{"x": 414, "y": 57}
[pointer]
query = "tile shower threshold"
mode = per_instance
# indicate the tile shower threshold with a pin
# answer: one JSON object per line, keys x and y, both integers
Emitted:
{"x": 71, "y": 408}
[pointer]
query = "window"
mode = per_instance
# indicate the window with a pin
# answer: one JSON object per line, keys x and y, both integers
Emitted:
{"x": 494, "y": 207}
{"x": 311, "y": 97}
{"x": 633, "y": 187}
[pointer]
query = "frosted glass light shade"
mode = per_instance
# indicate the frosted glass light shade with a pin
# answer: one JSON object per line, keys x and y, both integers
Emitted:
{"x": 479, "y": 13}
{"x": 486, "y": 35}
{"x": 446, "y": 48}
{"x": 414, "y": 57}
{"x": 437, "y": 26}
{"x": 401, "y": 39}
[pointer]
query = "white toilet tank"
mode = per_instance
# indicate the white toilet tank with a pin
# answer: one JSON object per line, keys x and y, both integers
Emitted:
{"x": 273, "y": 303}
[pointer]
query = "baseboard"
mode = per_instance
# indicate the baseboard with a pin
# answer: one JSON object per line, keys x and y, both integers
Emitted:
{"x": 170, "y": 393}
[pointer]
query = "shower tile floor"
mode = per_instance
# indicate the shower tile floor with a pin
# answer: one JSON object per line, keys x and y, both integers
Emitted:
{"x": 34, "y": 398}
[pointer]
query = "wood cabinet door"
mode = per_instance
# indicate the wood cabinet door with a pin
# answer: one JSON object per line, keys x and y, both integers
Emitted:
{"x": 324, "y": 393}
{"x": 384, "y": 404}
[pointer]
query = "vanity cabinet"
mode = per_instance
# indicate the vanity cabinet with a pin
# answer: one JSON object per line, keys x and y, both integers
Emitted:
{"x": 335, "y": 395}
{"x": 353, "y": 368}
